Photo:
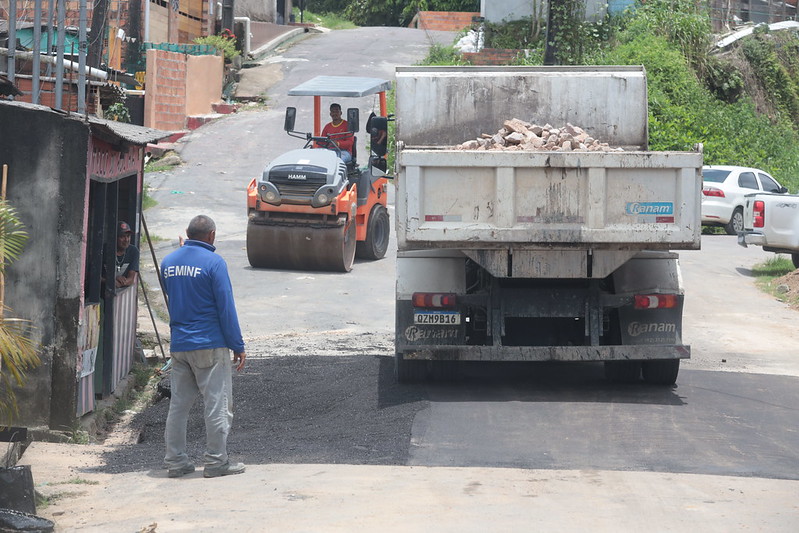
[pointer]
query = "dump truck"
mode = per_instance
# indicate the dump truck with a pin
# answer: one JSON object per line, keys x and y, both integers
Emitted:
{"x": 311, "y": 210}
{"x": 538, "y": 255}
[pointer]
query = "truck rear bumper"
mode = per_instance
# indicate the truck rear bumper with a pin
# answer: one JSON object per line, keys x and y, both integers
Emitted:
{"x": 545, "y": 353}
{"x": 746, "y": 238}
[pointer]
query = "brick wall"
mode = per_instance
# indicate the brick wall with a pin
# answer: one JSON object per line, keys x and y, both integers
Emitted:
{"x": 69, "y": 94}
{"x": 492, "y": 56}
{"x": 169, "y": 97}
{"x": 443, "y": 20}
{"x": 165, "y": 86}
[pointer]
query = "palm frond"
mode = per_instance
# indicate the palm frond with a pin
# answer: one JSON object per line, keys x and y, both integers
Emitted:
{"x": 12, "y": 234}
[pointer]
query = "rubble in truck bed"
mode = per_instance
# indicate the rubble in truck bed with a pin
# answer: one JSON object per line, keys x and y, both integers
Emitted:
{"x": 520, "y": 135}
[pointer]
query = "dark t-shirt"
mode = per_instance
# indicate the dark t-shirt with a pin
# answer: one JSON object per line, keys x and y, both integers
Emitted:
{"x": 127, "y": 261}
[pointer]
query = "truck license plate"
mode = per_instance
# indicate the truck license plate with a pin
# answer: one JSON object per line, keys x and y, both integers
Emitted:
{"x": 441, "y": 318}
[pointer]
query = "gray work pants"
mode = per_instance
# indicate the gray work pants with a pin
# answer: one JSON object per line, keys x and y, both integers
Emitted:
{"x": 207, "y": 372}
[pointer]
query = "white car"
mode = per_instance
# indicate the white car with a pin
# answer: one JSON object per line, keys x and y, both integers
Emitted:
{"x": 723, "y": 192}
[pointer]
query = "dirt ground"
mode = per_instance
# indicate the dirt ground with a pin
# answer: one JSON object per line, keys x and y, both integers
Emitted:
{"x": 790, "y": 283}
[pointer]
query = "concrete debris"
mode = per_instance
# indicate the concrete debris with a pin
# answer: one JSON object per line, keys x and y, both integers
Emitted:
{"x": 516, "y": 134}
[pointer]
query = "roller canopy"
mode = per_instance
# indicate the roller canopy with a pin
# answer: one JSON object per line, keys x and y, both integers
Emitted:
{"x": 343, "y": 86}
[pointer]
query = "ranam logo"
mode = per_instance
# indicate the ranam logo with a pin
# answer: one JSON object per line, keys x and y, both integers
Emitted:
{"x": 639, "y": 328}
{"x": 650, "y": 208}
{"x": 297, "y": 176}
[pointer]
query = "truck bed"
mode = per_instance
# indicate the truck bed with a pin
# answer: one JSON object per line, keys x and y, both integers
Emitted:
{"x": 548, "y": 200}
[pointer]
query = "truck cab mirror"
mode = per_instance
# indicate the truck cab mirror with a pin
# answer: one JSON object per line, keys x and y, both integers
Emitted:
{"x": 352, "y": 120}
{"x": 291, "y": 117}
{"x": 783, "y": 190}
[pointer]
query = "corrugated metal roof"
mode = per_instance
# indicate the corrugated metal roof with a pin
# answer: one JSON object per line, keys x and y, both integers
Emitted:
{"x": 346, "y": 86}
{"x": 130, "y": 132}
{"x": 127, "y": 132}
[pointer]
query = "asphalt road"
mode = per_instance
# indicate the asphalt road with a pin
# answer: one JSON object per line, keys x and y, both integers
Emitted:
{"x": 536, "y": 446}
{"x": 732, "y": 412}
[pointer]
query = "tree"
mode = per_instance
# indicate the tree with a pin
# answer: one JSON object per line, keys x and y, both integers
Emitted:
{"x": 18, "y": 353}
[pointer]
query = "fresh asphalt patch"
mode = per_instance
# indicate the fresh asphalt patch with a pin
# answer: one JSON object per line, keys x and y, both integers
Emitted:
{"x": 350, "y": 410}
{"x": 300, "y": 409}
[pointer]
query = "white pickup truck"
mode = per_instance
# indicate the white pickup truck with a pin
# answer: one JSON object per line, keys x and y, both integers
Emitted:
{"x": 772, "y": 221}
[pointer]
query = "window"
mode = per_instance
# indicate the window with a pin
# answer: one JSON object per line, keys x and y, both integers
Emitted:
{"x": 769, "y": 185}
{"x": 747, "y": 180}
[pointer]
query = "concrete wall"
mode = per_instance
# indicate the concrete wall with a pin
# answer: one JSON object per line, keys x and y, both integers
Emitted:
{"x": 260, "y": 10}
{"x": 47, "y": 186}
{"x": 204, "y": 76}
{"x": 505, "y": 10}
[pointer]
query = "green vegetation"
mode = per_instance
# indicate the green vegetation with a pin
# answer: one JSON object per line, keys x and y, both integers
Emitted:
{"x": 330, "y": 20}
{"x": 442, "y": 55}
{"x": 768, "y": 276}
{"x": 225, "y": 44}
{"x": 383, "y": 12}
{"x": 18, "y": 352}
{"x": 117, "y": 111}
{"x": 741, "y": 104}
{"x": 77, "y": 481}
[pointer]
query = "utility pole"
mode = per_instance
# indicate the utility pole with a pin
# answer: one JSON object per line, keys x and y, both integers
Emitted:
{"x": 99, "y": 15}
{"x": 227, "y": 15}
{"x": 551, "y": 39}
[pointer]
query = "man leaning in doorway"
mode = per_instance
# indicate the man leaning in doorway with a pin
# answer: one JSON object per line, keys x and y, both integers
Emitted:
{"x": 127, "y": 258}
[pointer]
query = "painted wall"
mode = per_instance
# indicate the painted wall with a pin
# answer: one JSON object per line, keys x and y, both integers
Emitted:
{"x": 47, "y": 186}
{"x": 204, "y": 76}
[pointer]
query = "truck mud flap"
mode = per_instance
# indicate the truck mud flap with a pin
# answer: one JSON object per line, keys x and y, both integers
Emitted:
{"x": 544, "y": 353}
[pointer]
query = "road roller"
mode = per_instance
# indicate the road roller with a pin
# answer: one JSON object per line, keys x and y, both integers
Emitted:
{"x": 309, "y": 210}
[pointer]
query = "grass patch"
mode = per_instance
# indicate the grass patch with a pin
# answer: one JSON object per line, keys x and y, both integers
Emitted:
{"x": 332, "y": 21}
{"x": 713, "y": 230}
{"x": 43, "y": 502}
{"x": 147, "y": 201}
{"x": 766, "y": 276}
{"x": 77, "y": 481}
{"x": 773, "y": 267}
{"x": 154, "y": 166}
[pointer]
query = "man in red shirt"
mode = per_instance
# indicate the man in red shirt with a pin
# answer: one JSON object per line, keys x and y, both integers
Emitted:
{"x": 336, "y": 128}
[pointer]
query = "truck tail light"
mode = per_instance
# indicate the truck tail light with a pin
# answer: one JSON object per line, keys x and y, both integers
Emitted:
{"x": 656, "y": 301}
{"x": 712, "y": 191}
{"x": 434, "y": 300}
{"x": 759, "y": 210}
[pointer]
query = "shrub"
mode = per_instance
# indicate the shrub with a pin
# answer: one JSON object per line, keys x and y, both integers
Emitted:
{"x": 226, "y": 44}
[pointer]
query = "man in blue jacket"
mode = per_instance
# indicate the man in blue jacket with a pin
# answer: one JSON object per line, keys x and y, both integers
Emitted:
{"x": 205, "y": 328}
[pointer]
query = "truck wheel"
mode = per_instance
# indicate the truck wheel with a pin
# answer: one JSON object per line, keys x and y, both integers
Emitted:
{"x": 377, "y": 233}
{"x": 736, "y": 224}
{"x": 661, "y": 372}
{"x": 622, "y": 371}
{"x": 409, "y": 371}
{"x": 795, "y": 259}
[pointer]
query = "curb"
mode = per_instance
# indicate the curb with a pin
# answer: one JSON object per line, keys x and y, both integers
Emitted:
{"x": 277, "y": 41}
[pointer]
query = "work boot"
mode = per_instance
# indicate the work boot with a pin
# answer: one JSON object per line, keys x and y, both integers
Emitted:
{"x": 227, "y": 469}
{"x": 181, "y": 471}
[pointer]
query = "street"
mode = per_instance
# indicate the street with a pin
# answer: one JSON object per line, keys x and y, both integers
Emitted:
{"x": 332, "y": 443}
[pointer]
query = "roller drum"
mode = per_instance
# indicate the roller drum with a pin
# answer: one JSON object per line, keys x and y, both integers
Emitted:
{"x": 301, "y": 247}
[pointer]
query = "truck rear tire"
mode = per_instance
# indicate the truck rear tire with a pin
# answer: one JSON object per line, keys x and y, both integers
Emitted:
{"x": 378, "y": 229}
{"x": 795, "y": 260}
{"x": 661, "y": 372}
{"x": 622, "y": 371}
